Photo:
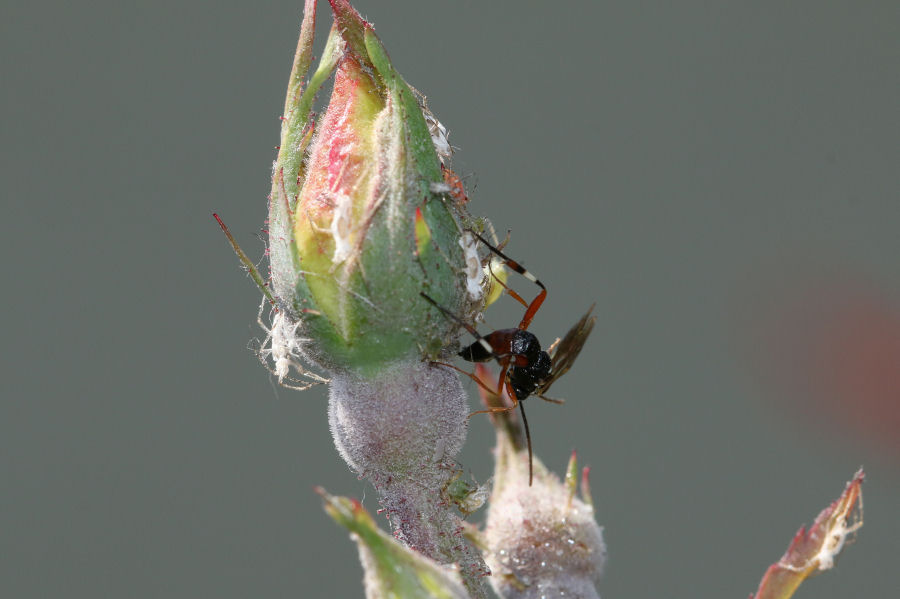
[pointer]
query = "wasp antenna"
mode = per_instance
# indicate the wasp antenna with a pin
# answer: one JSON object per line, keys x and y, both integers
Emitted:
{"x": 451, "y": 315}
{"x": 535, "y": 305}
{"x": 528, "y": 442}
{"x": 509, "y": 261}
{"x": 248, "y": 264}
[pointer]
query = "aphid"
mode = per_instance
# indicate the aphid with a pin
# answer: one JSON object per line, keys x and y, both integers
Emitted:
{"x": 525, "y": 368}
{"x": 467, "y": 497}
{"x": 452, "y": 185}
{"x": 284, "y": 347}
{"x": 282, "y": 344}
{"x": 437, "y": 131}
{"x": 439, "y": 136}
{"x": 475, "y": 274}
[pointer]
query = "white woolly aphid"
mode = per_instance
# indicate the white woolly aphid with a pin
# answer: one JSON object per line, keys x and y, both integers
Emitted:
{"x": 439, "y": 137}
{"x": 833, "y": 545}
{"x": 440, "y": 187}
{"x": 474, "y": 272}
{"x": 835, "y": 538}
{"x": 439, "y": 133}
{"x": 283, "y": 346}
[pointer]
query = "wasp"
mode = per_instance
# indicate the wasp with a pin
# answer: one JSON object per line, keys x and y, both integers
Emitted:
{"x": 526, "y": 369}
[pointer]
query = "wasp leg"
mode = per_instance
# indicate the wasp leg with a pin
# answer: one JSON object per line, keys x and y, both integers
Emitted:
{"x": 552, "y": 400}
{"x": 493, "y": 410}
{"x": 504, "y": 368}
{"x": 480, "y": 383}
{"x": 506, "y": 287}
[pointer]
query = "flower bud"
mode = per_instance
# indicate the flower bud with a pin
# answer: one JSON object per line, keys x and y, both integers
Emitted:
{"x": 356, "y": 231}
{"x": 543, "y": 540}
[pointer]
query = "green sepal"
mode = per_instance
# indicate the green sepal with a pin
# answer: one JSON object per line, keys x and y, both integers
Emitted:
{"x": 444, "y": 226}
{"x": 288, "y": 173}
{"x": 392, "y": 571}
{"x": 351, "y": 25}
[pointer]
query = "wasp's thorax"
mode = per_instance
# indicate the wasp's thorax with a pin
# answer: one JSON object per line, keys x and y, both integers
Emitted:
{"x": 529, "y": 364}
{"x": 525, "y": 379}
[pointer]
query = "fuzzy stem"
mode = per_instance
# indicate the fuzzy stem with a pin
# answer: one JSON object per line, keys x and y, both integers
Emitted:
{"x": 401, "y": 430}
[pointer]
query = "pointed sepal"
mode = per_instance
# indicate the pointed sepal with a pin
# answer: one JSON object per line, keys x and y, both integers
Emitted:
{"x": 815, "y": 550}
{"x": 391, "y": 570}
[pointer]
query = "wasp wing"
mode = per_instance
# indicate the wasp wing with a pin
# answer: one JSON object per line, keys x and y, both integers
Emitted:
{"x": 563, "y": 353}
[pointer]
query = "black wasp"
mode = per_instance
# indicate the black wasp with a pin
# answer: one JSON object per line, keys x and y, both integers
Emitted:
{"x": 526, "y": 369}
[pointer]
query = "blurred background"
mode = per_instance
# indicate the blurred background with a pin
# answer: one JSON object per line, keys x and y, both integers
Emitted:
{"x": 721, "y": 178}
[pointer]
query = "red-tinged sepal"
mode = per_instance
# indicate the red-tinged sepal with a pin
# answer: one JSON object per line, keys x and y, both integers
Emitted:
{"x": 815, "y": 550}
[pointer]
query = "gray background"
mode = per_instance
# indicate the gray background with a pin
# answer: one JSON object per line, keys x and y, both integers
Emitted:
{"x": 689, "y": 166}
